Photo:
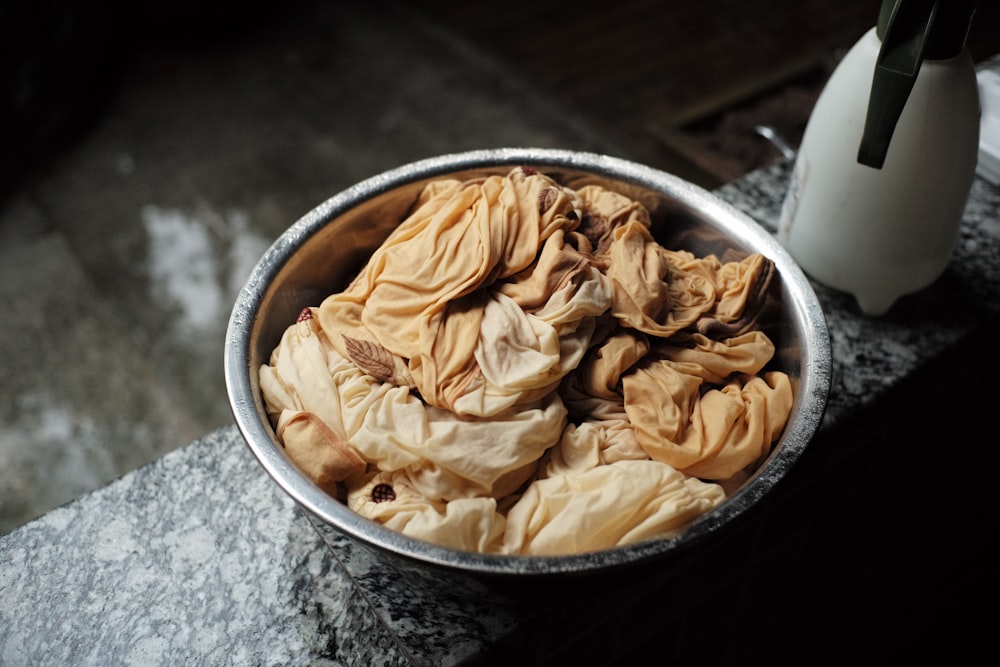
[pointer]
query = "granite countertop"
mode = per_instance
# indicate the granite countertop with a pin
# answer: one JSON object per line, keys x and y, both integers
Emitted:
{"x": 199, "y": 558}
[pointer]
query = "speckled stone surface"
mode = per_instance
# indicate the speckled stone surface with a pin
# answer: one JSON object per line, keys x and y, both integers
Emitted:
{"x": 194, "y": 559}
{"x": 198, "y": 558}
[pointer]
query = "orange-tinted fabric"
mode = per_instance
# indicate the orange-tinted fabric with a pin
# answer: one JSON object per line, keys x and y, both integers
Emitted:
{"x": 521, "y": 368}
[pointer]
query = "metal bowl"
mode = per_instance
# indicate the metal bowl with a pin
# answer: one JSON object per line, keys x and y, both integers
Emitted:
{"x": 323, "y": 250}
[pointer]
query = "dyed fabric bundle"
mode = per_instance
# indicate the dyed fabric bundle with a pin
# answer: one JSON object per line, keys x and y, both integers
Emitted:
{"x": 521, "y": 368}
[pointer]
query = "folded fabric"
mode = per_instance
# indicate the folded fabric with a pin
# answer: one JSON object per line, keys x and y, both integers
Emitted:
{"x": 574, "y": 511}
{"x": 606, "y": 506}
{"x": 421, "y": 296}
{"x": 446, "y": 456}
{"x": 521, "y": 368}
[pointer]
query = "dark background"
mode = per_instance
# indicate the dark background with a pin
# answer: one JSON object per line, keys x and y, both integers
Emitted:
{"x": 680, "y": 83}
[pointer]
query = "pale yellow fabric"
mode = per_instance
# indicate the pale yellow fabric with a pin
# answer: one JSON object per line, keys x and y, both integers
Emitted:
{"x": 421, "y": 293}
{"x": 445, "y": 455}
{"x": 609, "y": 505}
{"x": 470, "y": 524}
{"x": 590, "y": 507}
{"x": 522, "y": 369}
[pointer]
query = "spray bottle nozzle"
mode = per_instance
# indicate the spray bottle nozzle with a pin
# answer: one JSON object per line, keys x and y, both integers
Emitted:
{"x": 907, "y": 27}
{"x": 911, "y": 31}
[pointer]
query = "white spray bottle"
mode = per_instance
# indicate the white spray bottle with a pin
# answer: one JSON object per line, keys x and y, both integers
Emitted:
{"x": 886, "y": 163}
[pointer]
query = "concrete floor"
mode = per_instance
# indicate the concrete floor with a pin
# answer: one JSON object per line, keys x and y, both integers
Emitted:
{"x": 122, "y": 254}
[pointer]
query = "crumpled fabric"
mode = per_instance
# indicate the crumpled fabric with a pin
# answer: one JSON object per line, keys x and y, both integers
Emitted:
{"x": 608, "y": 505}
{"x": 444, "y": 455}
{"x": 522, "y": 369}
{"x": 426, "y": 300}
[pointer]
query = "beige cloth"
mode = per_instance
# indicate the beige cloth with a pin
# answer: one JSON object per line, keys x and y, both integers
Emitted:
{"x": 522, "y": 369}
{"x": 445, "y": 456}
{"x": 425, "y": 292}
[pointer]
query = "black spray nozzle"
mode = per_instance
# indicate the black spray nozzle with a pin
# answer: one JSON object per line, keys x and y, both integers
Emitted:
{"x": 911, "y": 31}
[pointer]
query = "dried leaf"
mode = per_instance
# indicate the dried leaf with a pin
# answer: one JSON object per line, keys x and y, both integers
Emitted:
{"x": 372, "y": 358}
{"x": 546, "y": 198}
